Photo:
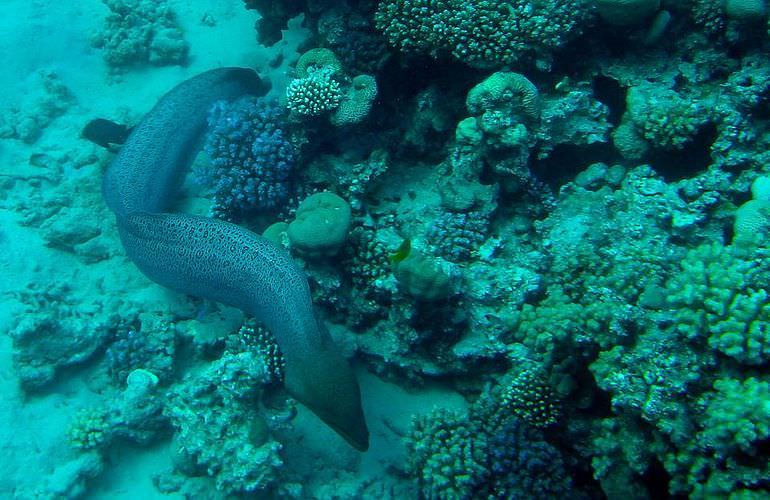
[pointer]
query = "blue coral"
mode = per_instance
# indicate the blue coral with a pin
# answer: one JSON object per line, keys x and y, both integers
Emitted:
{"x": 523, "y": 465}
{"x": 251, "y": 157}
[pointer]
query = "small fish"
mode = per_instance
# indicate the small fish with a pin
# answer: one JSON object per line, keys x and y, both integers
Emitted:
{"x": 402, "y": 252}
{"x": 106, "y": 133}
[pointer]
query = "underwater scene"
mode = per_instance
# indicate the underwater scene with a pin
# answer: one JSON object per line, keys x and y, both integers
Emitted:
{"x": 385, "y": 249}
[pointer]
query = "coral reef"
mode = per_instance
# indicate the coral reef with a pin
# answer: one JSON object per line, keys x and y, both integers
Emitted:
{"x": 555, "y": 210}
{"x": 135, "y": 415}
{"x": 481, "y": 33}
{"x": 28, "y": 121}
{"x": 151, "y": 346}
{"x": 322, "y": 87}
{"x": 219, "y": 430}
{"x": 140, "y": 31}
{"x": 487, "y": 453}
{"x": 60, "y": 329}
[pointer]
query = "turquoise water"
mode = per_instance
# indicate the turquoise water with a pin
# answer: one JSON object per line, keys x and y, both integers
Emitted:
{"x": 385, "y": 249}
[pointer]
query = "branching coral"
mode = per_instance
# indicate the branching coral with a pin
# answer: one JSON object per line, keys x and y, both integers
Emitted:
{"x": 486, "y": 454}
{"x": 717, "y": 297}
{"x": 315, "y": 94}
{"x": 321, "y": 87}
{"x": 251, "y": 157}
{"x": 481, "y": 32}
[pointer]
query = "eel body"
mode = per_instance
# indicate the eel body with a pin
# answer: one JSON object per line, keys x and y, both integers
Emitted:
{"x": 220, "y": 261}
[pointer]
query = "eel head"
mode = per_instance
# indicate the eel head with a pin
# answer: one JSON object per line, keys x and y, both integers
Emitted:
{"x": 326, "y": 384}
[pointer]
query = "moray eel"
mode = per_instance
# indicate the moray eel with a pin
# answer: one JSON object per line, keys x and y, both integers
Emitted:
{"x": 220, "y": 261}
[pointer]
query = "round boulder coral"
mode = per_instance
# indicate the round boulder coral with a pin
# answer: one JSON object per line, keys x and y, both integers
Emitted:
{"x": 422, "y": 277}
{"x": 321, "y": 225}
{"x": 507, "y": 91}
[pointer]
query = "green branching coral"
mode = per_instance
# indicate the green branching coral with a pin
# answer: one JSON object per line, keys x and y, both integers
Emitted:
{"x": 651, "y": 380}
{"x": 737, "y": 416}
{"x": 89, "y": 429}
{"x": 661, "y": 118}
{"x": 135, "y": 415}
{"x": 676, "y": 388}
{"x": 724, "y": 459}
{"x": 445, "y": 454}
{"x": 716, "y": 297}
{"x": 481, "y": 33}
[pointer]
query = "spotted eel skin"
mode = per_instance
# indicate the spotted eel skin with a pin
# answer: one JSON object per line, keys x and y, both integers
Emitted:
{"x": 220, "y": 261}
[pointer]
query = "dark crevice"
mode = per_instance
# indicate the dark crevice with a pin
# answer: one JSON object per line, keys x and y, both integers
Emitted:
{"x": 609, "y": 92}
{"x": 566, "y": 161}
{"x": 694, "y": 157}
{"x": 656, "y": 479}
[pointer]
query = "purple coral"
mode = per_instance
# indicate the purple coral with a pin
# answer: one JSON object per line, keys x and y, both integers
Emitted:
{"x": 251, "y": 157}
